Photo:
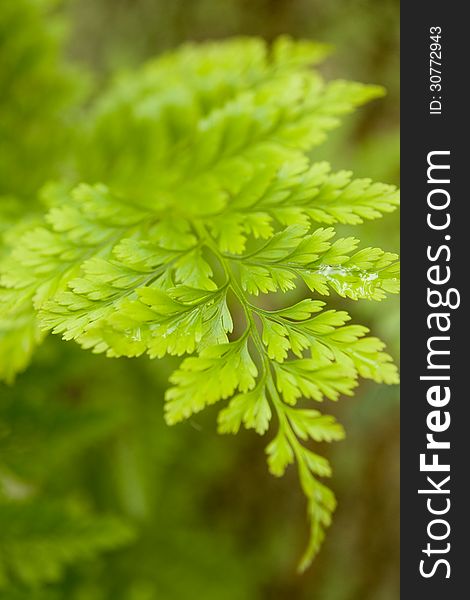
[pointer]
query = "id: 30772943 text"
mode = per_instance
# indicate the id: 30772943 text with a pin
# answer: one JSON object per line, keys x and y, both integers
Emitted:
{"x": 435, "y": 70}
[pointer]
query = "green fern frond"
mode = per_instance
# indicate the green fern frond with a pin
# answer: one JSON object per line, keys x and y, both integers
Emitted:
{"x": 207, "y": 211}
{"x": 39, "y": 92}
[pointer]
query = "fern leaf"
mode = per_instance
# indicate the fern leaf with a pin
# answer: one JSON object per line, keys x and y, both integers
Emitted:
{"x": 209, "y": 206}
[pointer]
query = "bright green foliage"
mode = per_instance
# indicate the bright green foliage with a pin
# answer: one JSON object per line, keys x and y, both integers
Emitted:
{"x": 37, "y": 91}
{"x": 207, "y": 210}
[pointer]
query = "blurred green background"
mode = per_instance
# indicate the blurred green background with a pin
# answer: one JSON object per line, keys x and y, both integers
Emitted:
{"x": 211, "y": 522}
